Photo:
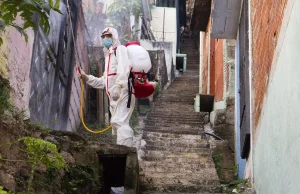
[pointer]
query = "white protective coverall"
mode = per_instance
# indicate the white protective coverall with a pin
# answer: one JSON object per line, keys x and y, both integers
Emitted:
{"x": 117, "y": 69}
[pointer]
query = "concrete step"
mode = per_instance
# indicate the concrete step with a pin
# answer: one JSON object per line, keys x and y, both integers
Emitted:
{"x": 180, "y": 92}
{"x": 176, "y": 161}
{"x": 177, "y": 149}
{"x": 183, "y": 129}
{"x": 188, "y": 101}
{"x": 199, "y": 154}
{"x": 158, "y": 121}
{"x": 179, "y": 178}
{"x": 179, "y": 107}
{"x": 175, "y": 109}
{"x": 150, "y": 192}
{"x": 173, "y": 99}
{"x": 167, "y": 99}
{"x": 162, "y": 166}
{"x": 177, "y": 142}
{"x": 172, "y": 114}
{"x": 163, "y": 115}
{"x": 182, "y": 108}
{"x": 170, "y": 123}
{"x": 173, "y": 95}
{"x": 177, "y": 157}
{"x": 154, "y": 135}
{"x": 174, "y": 128}
{"x": 179, "y": 188}
{"x": 168, "y": 107}
{"x": 175, "y": 121}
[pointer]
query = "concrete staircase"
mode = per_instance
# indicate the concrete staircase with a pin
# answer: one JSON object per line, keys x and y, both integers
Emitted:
{"x": 178, "y": 158}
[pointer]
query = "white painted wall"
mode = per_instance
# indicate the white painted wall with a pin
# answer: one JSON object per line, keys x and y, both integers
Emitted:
{"x": 169, "y": 26}
{"x": 276, "y": 156}
{"x": 147, "y": 44}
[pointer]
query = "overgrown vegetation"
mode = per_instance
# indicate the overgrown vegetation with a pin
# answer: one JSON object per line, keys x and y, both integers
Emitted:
{"x": 217, "y": 161}
{"x": 240, "y": 186}
{"x": 105, "y": 137}
{"x": 5, "y": 103}
{"x": 81, "y": 179}
{"x": 39, "y": 152}
{"x": 27, "y": 9}
{"x": 157, "y": 91}
{"x": 4, "y": 192}
{"x": 134, "y": 121}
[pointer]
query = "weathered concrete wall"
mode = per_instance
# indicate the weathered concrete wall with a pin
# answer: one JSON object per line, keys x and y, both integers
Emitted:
{"x": 223, "y": 121}
{"x": 266, "y": 22}
{"x": 230, "y": 62}
{"x": 15, "y": 64}
{"x": 147, "y": 44}
{"x": 276, "y": 151}
{"x": 159, "y": 69}
{"x": 168, "y": 50}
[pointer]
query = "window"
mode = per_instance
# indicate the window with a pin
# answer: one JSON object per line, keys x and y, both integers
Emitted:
{"x": 165, "y": 3}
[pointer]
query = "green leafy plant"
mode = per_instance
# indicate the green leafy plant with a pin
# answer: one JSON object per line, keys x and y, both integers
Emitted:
{"x": 38, "y": 152}
{"x": 9, "y": 10}
{"x": 36, "y": 127}
{"x": 4, "y": 96}
{"x": 4, "y": 192}
{"x": 81, "y": 179}
{"x": 157, "y": 91}
{"x": 217, "y": 161}
{"x": 119, "y": 13}
{"x": 239, "y": 186}
{"x": 134, "y": 122}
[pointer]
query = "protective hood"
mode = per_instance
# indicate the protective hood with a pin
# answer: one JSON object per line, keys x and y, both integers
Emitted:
{"x": 115, "y": 36}
{"x": 99, "y": 2}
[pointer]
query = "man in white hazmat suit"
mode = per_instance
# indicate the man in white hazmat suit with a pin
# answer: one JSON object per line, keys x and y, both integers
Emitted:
{"x": 115, "y": 80}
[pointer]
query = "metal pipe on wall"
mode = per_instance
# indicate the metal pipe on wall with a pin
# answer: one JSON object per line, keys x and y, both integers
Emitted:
{"x": 202, "y": 34}
{"x": 208, "y": 64}
{"x": 164, "y": 25}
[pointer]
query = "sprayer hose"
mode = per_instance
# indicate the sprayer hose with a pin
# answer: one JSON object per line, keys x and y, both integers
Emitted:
{"x": 81, "y": 81}
{"x": 81, "y": 112}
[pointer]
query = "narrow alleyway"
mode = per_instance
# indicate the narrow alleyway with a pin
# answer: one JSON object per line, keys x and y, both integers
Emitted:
{"x": 178, "y": 158}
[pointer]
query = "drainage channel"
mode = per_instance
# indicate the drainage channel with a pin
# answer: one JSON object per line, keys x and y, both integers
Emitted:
{"x": 113, "y": 173}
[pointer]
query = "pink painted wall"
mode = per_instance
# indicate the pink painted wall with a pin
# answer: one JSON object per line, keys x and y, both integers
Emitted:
{"x": 19, "y": 61}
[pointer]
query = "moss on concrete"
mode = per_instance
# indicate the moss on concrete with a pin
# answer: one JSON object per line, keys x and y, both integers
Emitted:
{"x": 5, "y": 103}
{"x": 80, "y": 179}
